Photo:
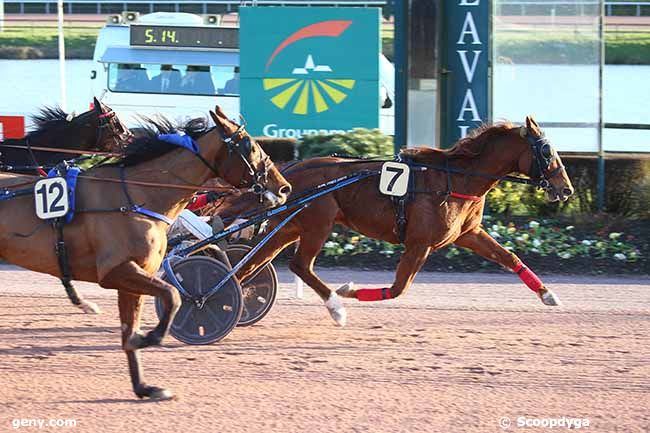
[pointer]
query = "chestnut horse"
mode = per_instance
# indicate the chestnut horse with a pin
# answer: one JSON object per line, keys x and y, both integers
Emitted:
{"x": 435, "y": 218}
{"x": 96, "y": 130}
{"x": 113, "y": 241}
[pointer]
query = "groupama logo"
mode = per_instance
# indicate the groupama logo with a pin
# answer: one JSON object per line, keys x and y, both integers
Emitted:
{"x": 308, "y": 88}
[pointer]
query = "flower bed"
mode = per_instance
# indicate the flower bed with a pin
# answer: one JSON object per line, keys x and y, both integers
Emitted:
{"x": 548, "y": 246}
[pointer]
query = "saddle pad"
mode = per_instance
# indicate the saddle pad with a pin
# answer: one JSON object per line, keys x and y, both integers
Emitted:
{"x": 71, "y": 179}
{"x": 179, "y": 140}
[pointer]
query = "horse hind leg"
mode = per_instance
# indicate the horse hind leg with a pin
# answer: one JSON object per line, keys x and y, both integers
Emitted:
{"x": 412, "y": 259}
{"x": 86, "y": 306}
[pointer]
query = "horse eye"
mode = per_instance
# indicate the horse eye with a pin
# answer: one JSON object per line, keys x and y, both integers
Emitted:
{"x": 547, "y": 151}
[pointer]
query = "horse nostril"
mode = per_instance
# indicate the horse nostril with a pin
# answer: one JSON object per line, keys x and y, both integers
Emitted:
{"x": 285, "y": 190}
{"x": 567, "y": 192}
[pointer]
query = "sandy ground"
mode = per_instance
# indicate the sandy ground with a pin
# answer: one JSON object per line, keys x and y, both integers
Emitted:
{"x": 456, "y": 354}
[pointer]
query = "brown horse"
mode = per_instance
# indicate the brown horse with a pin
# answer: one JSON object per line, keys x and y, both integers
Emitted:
{"x": 115, "y": 243}
{"x": 435, "y": 219}
{"x": 66, "y": 136}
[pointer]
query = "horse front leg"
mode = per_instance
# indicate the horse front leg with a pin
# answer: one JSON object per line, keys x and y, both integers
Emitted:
{"x": 132, "y": 282}
{"x": 485, "y": 246}
{"x": 412, "y": 259}
{"x": 130, "y": 310}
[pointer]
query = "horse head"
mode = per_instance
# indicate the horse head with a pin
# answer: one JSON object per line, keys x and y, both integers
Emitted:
{"x": 110, "y": 133}
{"x": 541, "y": 162}
{"x": 246, "y": 163}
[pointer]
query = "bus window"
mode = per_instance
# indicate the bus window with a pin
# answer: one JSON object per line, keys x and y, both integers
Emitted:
{"x": 130, "y": 78}
{"x": 226, "y": 78}
{"x": 174, "y": 79}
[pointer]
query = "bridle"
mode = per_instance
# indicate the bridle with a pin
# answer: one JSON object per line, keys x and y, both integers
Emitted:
{"x": 240, "y": 143}
{"x": 542, "y": 158}
{"x": 108, "y": 120}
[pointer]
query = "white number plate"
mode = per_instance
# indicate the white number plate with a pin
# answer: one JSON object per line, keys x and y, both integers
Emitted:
{"x": 394, "y": 179}
{"x": 51, "y": 198}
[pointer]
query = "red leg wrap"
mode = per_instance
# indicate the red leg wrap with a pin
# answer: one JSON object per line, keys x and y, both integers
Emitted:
{"x": 528, "y": 277}
{"x": 373, "y": 294}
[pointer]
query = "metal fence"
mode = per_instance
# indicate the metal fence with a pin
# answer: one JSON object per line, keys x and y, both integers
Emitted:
{"x": 612, "y": 7}
{"x": 191, "y": 6}
{"x": 514, "y": 7}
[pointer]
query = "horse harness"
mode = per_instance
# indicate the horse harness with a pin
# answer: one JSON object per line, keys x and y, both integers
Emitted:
{"x": 540, "y": 175}
{"x": 70, "y": 173}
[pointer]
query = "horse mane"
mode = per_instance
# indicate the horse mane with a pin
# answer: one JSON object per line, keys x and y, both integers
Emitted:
{"x": 49, "y": 114}
{"x": 147, "y": 146}
{"x": 47, "y": 119}
{"x": 470, "y": 147}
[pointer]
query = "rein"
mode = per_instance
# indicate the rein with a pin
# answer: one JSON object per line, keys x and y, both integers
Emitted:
{"x": 60, "y": 150}
{"x": 232, "y": 190}
{"x": 315, "y": 190}
{"x": 508, "y": 178}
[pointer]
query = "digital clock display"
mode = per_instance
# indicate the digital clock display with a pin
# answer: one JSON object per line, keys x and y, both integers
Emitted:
{"x": 184, "y": 37}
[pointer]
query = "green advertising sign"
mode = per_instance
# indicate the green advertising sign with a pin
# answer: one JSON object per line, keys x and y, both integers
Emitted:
{"x": 309, "y": 70}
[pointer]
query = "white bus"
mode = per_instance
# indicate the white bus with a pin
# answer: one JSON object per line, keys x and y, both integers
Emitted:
{"x": 180, "y": 65}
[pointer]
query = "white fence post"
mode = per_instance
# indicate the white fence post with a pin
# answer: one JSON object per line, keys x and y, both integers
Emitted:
{"x": 297, "y": 281}
{"x": 64, "y": 101}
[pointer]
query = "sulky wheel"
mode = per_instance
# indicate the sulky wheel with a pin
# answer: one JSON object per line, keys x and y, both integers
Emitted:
{"x": 218, "y": 315}
{"x": 259, "y": 291}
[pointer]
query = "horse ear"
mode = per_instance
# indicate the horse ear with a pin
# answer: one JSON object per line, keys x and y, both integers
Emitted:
{"x": 216, "y": 119}
{"x": 97, "y": 105}
{"x": 219, "y": 112}
{"x": 533, "y": 126}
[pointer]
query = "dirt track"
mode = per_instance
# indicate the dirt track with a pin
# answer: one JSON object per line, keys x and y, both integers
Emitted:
{"x": 456, "y": 354}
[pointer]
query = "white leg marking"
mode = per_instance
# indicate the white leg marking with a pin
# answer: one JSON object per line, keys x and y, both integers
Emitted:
{"x": 549, "y": 298}
{"x": 89, "y": 307}
{"x": 337, "y": 310}
{"x": 346, "y": 290}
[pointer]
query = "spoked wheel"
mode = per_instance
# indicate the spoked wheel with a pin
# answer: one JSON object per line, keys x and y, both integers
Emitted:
{"x": 259, "y": 292}
{"x": 212, "y": 320}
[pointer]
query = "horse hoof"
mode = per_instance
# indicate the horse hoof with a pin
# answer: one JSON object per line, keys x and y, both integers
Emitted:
{"x": 89, "y": 307}
{"x": 155, "y": 393}
{"x": 549, "y": 298}
{"x": 346, "y": 290}
{"x": 336, "y": 310}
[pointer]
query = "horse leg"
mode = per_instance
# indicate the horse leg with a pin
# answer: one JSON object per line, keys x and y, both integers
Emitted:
{"x": 302, "y": 264}
{"x": 86, "y": 306}
{"x": 130, "y": 309}
{"x": 412, "y": 259}
{"x": 485, "y": 246}
{"x": 131, "y": 278}
{"x": 268, "y": 252}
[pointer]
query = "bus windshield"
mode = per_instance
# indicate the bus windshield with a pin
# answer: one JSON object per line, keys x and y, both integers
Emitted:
{"x": 174, "y": 79}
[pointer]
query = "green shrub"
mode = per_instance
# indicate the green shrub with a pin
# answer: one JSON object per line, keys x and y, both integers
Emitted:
{"x": 278, "y": 149}
{"x": 359, "y": 142}
{"x": 548, "y": 238}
